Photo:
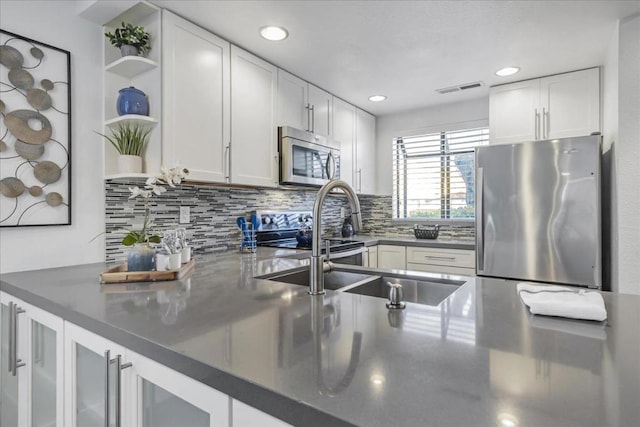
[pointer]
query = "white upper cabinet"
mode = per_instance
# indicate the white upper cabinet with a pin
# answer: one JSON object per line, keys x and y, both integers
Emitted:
{"x": 572, "y": 103}
{"x": 559, "y": 106}
{"x": 254, "y": 159}
{"x": 303, "y": 106}
{"x": 293, "y": 108}
{"x": 365, "y": 173}
{"x": 344, "y": 132}
{"x": 513, "y": 112}
{"x": 196, "y": 100}
{"x": 321, "y": 106}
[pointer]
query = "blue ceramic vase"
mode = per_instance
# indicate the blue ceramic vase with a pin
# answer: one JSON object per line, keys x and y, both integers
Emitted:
{"x": 132, "y": 101}
{"x": 141, "y": 258}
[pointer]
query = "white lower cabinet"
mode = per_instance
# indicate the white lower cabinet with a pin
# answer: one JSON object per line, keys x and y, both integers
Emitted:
{"x": 438, "y": 260}
{"x": 247, "y": 416}
{"x": 372, "y": 257}
{"x": 31, "y": 378}
{"x": 391, "y": 256}
{"x": 55, "y": 373}
{"x": 432, "y": 260}
{"x": 160, "y": 396}
{"x": 132, "y": 390}
{"x": 91, "y": 395}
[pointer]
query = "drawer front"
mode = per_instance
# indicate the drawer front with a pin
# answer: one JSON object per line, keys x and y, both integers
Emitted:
{"x": 444, "y": 257}
{"x": 442, "y": 269}
{"x": 390, "y": 256}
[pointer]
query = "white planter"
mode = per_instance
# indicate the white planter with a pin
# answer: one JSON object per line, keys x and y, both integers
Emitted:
{"x": 129, "y": 164}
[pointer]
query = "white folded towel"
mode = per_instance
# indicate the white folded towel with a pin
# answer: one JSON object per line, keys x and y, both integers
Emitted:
{"x": 550, "y": 300}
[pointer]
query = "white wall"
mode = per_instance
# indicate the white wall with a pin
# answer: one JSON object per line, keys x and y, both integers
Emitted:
{"x": 26, "y": 248}
{"x": 610, "y": 83}
{"x": 627, "y": 157}
{"x": 460, "y": 115}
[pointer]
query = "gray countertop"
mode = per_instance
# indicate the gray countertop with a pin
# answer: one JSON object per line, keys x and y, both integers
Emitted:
{"x": 343, "y": 359}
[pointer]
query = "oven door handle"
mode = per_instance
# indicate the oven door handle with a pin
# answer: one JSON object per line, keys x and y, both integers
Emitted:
{"x": 336, "y": 255}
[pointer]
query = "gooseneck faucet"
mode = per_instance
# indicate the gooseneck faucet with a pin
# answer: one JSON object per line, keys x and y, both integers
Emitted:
{"x": 316, "y": 267}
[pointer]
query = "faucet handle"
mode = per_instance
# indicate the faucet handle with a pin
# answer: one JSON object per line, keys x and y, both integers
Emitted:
{"x": 327, "y": 250}
{"x": 395, "y": 296}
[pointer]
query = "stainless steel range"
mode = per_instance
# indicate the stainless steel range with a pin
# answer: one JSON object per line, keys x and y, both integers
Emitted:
{"x": 279, "y": 229}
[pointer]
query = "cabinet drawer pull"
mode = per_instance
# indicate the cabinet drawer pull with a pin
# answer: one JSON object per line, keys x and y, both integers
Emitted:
{"x": 227, "y": 162}
{"x": 119, "y": 367}
{"x": 449, "y": 258}
{"x": 14, "y": 362}
{"x": 11, "y": 338}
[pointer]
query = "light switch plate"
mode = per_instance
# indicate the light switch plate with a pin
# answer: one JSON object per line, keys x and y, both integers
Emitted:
{"x": 185, "y": 214}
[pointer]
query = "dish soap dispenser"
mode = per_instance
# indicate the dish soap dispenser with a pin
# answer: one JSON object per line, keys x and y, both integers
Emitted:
{"x": 347, "y": 228}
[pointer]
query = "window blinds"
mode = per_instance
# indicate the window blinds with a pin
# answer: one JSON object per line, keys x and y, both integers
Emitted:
{"x": 434, "y": 174}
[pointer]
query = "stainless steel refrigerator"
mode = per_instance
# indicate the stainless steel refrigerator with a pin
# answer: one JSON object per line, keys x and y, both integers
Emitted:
{"x": 538, "y": 211}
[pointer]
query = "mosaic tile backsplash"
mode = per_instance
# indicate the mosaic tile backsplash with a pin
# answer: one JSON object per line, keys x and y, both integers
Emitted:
{"x": 214, "y": 211}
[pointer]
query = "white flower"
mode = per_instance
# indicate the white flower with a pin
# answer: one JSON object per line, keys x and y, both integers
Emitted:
{"x": 157, "y": 189}
{"x": 137, "y": 191}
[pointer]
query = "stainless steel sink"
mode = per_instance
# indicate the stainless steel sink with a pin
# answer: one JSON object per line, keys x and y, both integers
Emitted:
{"x": 417, "y": 291}
{"x": 358, "y": 280}
{"x": 333, "y": 280}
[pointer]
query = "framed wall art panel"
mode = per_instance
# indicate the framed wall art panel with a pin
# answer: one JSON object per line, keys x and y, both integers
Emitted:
{"x": 35, "y": 133}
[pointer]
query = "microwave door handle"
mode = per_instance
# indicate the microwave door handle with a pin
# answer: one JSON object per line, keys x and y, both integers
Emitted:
{"x": 330, "y": 166}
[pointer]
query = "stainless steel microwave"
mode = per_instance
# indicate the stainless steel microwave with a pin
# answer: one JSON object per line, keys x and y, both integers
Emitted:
{"x": 307, "y": 158}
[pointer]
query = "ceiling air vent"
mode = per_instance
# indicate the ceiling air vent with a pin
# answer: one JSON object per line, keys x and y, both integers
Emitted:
{"x": 458, "y": 88}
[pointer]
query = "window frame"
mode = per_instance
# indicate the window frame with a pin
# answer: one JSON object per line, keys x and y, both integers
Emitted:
{"x": 442, "y": 131}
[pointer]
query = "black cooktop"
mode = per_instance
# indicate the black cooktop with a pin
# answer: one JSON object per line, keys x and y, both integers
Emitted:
{"x": 279, "y": 229}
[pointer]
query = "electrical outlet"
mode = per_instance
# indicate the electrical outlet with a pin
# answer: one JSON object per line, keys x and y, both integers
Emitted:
{"x": 185, "y": 214}
{"x": 343, "y": 213}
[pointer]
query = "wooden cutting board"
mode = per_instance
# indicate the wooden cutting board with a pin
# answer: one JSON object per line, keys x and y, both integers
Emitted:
{"x": 119, "y": 274}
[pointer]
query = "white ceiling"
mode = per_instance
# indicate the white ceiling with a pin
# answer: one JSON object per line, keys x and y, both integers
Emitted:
{"x": 408, "y": 49}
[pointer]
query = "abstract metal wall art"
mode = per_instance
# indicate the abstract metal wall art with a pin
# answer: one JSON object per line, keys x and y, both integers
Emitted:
{"x": 35, "y": 133}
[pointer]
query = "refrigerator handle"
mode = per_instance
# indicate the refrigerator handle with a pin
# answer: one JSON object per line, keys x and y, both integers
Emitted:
{"x": 479, "y": 220}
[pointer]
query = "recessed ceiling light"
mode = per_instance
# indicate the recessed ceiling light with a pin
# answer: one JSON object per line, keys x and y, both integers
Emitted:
{"x": 377, "y": 98}
{"x": 507, "y": 71}
{"x": 274, "y": 33}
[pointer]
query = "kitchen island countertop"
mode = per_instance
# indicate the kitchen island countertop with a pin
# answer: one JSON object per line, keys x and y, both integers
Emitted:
{"x": 478, "y": 358}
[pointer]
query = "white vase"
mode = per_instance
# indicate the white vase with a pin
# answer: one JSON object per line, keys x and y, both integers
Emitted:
{"x": 128, "y": 50}
{"x": 129, "y": 164}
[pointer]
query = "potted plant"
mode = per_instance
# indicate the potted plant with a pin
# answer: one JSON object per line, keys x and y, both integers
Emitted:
{"x": 142, "y": 256}
{"x": 129, "y": 140}
{"x": 132, "y": 40}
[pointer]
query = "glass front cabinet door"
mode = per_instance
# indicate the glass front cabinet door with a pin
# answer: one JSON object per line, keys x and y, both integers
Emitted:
{"x": 31, "y": 357}
{"x": 163, "y": 397}
{"x": 108, "y": 385}
{"x": 93, "y": 379}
